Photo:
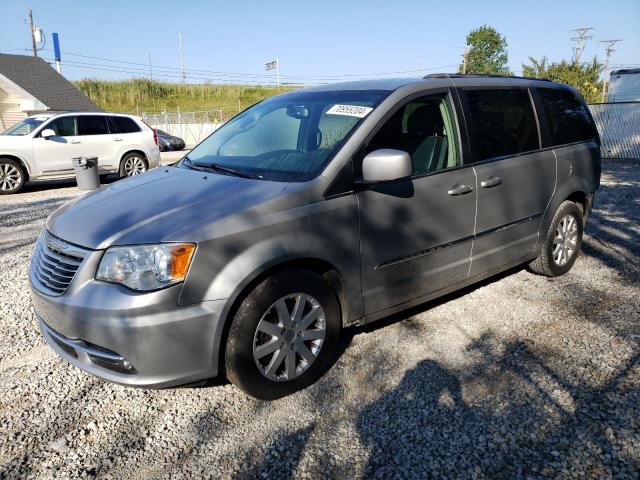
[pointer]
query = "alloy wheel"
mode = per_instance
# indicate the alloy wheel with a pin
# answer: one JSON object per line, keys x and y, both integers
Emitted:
{"x": 134, "y": 166}
{"x": 10, "y": 177}
{"x": 565, "y": 241}
{"x": 289, "y": 337}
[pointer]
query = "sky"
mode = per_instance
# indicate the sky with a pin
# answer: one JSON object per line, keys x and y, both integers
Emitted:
{"x": 315, "y": 42}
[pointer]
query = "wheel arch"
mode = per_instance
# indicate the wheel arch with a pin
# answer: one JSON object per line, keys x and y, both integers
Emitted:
{"x": 22, "y": 163}
{"x": 321, "y": 267}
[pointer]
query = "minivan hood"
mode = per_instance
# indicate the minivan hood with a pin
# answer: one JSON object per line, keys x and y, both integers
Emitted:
{"x": 164, "y": 204}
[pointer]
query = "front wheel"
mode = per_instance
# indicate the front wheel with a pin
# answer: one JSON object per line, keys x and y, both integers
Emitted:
{"x": 283, "y": 336}
{"x": 12, "y": 176}
{"x": 132, "y": 164}
{"x": 562, "y": 242}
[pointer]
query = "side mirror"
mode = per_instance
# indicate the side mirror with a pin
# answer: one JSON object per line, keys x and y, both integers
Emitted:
{"x": 47, "y": 133}
{"x": 386, "y": 164}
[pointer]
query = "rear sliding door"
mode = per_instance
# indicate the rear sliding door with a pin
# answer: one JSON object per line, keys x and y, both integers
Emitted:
{"x": 515, "y": 177}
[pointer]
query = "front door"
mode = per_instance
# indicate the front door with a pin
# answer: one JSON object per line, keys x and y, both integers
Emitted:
{"x": 53, "y": 155}
{"x": 515, "y": 178}
{"x": 416, "y": 234}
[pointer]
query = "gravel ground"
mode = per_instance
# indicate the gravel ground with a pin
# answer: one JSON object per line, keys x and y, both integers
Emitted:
{"x": 518, "y": 377}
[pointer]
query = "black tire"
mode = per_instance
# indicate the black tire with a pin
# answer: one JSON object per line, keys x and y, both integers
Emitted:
{"x": 124, "y": 172}
{"x": 545, "y": 264}
{"x": 241, "y": 368}
{"x": 12, "y": 176}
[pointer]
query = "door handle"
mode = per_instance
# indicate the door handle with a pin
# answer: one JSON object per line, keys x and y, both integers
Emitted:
{"x": 491, "y": 182}
{"x": 117, "y": 139}
{"x": 74, "y": 142}
{"x": 460, "y": 189}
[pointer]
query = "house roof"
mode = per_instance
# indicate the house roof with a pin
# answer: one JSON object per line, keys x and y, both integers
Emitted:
{"x": 37, "y": 78}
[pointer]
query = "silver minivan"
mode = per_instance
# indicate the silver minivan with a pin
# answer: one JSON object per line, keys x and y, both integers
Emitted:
{"x": 309, "y": 212}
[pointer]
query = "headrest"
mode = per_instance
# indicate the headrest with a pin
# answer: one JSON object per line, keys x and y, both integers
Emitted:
{"x": 425, "y": 120}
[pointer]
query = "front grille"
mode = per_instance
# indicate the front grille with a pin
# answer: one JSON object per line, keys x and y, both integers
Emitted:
{"x": 55, "y": 263}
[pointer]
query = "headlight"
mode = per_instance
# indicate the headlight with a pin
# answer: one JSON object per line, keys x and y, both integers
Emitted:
{"x": 146, "y": 267}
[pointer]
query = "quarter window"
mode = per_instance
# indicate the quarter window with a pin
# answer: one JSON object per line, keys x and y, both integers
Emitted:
{"x": 92, "y": 125}
{"x": 425, "y": 129}
{"x": 63, "y": 126}
{"x": 567, "y": 117}
{"x": 500, "y": 123}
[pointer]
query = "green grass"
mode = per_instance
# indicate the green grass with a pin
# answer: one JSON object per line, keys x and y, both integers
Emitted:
{"x": 142, "y": 95}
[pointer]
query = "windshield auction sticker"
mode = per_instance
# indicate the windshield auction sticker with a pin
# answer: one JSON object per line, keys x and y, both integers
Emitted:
{"x": 350, "y": 110}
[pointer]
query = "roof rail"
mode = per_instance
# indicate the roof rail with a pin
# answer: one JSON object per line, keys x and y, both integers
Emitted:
{"x": 481, "y": 75}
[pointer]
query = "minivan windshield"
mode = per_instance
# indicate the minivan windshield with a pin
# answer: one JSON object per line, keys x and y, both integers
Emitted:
{"x": 24, "y": 127}
{"x": 288, "y": 138}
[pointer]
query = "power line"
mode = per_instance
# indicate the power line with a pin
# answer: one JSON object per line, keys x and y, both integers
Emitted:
{"x": 140, "y": 68}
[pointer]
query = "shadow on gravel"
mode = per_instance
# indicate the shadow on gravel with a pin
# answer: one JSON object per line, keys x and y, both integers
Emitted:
{"x": 541, "y": 424}
{"x": 613, "y": 235}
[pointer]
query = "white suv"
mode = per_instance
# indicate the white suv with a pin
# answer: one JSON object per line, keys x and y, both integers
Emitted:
{"x": 41, "y": 147}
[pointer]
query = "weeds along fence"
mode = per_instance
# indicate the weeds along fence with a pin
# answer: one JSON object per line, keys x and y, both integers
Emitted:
{"x": 192, "y": 127}
{"x": 619, "y": 128}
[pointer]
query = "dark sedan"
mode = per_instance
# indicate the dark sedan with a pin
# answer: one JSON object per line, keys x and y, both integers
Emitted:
{"x": 168, "y": 142}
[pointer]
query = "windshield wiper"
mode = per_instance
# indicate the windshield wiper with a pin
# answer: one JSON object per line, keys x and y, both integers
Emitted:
{"x": 230, "y": 171}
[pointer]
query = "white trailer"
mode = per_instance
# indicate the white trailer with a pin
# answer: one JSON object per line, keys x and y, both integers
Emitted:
{"x": 624, "y": 85}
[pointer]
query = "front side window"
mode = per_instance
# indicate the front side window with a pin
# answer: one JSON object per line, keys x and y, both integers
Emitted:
{"x": 567, "y": 117}
{"x": 24, "y": 127}
{"x": 92, "y": 125}
{"x": 286, "y": 138}
{"x": 63, "y": 126}
{"x": 500, "y": 122}
{"x": 425, "y": 128}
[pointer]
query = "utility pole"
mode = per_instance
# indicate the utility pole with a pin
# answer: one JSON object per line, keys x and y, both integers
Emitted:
{"x": 181, "y": 57}
{"x": 579, "y": 41}
{"x": 33, "y": 35}
{"x": 609, "y": 50}
{"x": 465, "y": 56}
{"x": 150, "y": 69}
{"x": 278, "y": 70}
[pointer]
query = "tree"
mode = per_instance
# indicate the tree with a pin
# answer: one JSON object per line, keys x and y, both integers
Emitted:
{"x": 583, "y": 76}
{"x": 487, "y": 52}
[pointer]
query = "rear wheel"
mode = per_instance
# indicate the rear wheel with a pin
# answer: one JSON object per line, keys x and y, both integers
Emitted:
{"x": 283, "y": 336}
{"x": 133, "y": 164}
{"x": 562, "y": 242}
{"x": 12, "y": 176}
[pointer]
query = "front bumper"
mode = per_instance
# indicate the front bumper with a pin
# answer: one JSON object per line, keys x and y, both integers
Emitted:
{"x": 137, "y": 339}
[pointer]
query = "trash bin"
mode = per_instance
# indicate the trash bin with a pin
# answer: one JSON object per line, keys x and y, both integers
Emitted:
{"x": 86, "y": 170}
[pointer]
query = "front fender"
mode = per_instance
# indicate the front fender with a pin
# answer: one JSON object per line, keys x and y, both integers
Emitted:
{"x": 327, "y": 231}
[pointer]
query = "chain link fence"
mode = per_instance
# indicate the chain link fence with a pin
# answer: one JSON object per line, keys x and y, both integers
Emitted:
{"x": 192, "y": 127}
{"x": 619, "y": 128}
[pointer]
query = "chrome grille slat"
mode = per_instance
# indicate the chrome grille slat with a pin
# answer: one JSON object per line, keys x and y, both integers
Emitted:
{"x": 51, "y": 274}
{"x": 58, "y": 266}
{"x": 56, "y": 263}
{"x": 56, "y": 257}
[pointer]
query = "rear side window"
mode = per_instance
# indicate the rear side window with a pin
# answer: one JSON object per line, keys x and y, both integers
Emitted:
{"x": 92, "y": 125}
{"x": 567, "y": 118}
{"x": 123, "y": 125}
{"x": 63, "y": 126}
{"x": 500, "y": 122}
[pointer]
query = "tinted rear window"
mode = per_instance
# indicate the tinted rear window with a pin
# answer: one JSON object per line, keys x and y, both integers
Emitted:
{"x": 123, "y": 125}
{"x": 567, "y": 118}
{"x": 92, "y": 125}
{"x": 500, "y": 122}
